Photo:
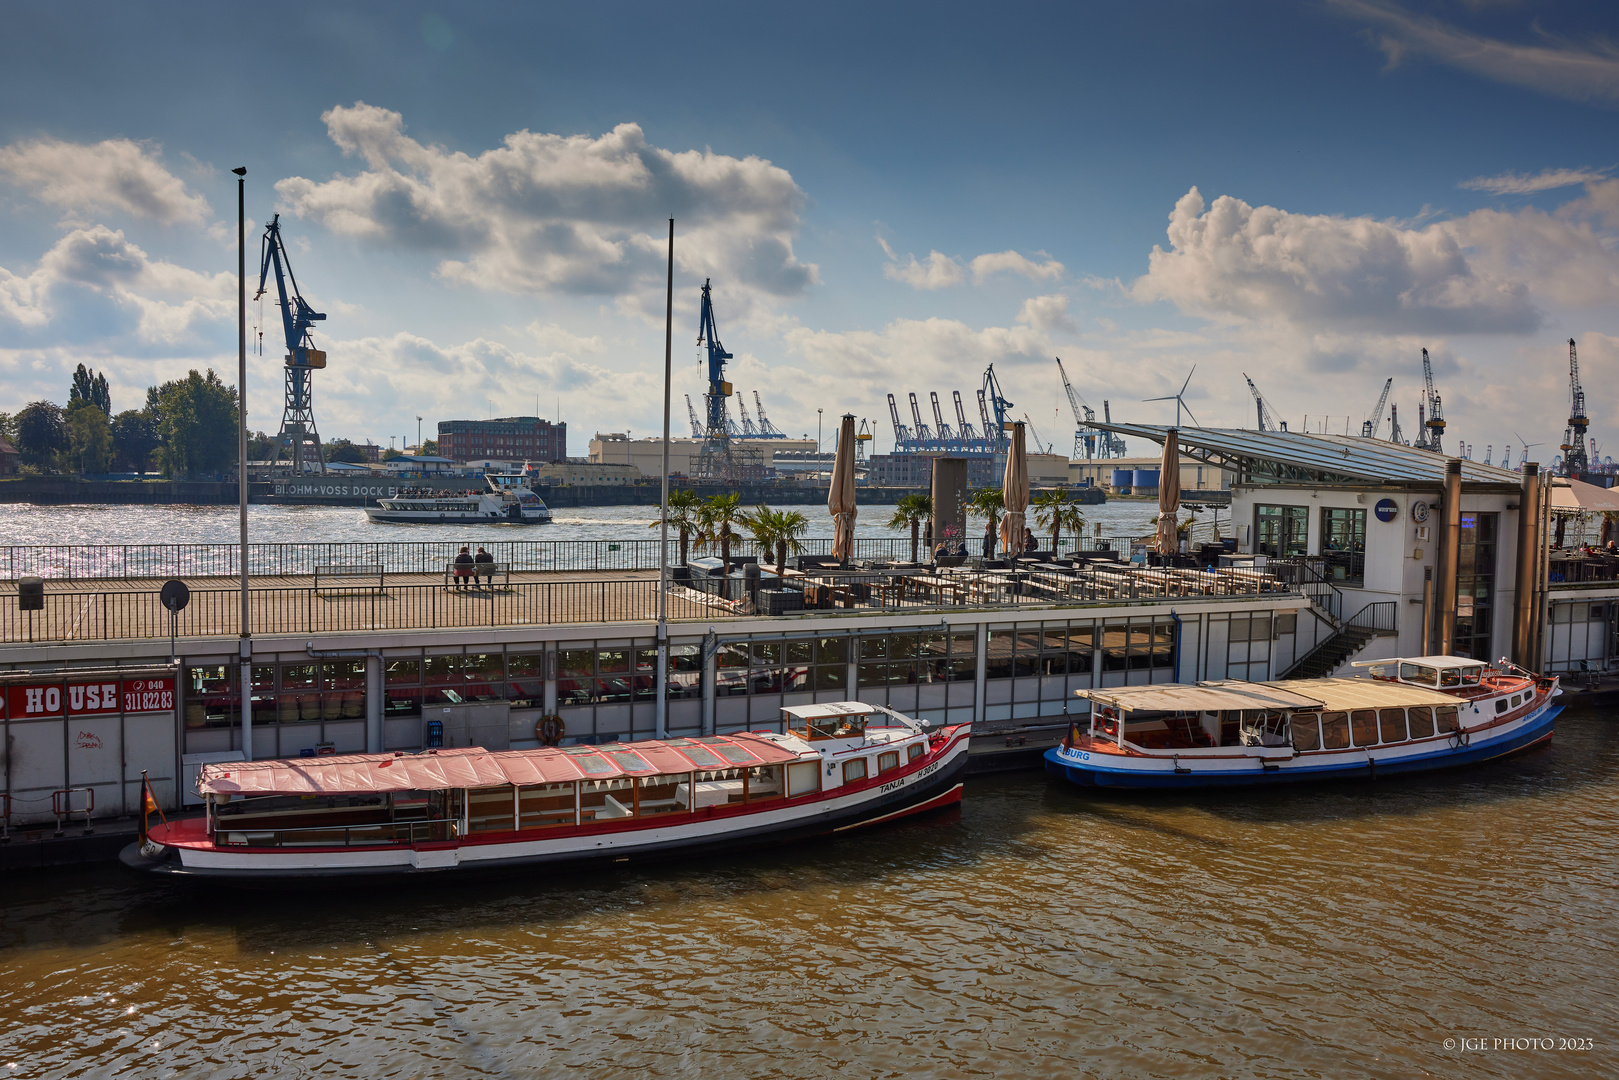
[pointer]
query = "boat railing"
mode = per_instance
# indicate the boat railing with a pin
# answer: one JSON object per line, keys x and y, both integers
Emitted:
{"x": 383, "y": 832}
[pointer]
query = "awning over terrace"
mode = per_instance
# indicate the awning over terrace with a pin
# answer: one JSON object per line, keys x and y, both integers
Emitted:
{"x": 476, "y": 768}
{"x": 1202, "y": 697}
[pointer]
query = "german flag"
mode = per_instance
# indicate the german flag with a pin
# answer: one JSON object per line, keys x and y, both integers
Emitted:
{"x": 148, "y": 806}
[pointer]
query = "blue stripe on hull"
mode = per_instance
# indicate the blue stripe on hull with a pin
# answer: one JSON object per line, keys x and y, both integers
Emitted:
{"x": 1091, "y": 776}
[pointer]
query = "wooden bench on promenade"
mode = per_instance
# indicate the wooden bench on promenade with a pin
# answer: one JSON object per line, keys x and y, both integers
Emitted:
{"x": 472, "y": 573}
{"x": 350, "y": 577}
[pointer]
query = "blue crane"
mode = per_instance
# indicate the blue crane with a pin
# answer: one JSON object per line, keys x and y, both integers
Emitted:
{"x": 719, "y": 424}
{"x": 297, "y": 414}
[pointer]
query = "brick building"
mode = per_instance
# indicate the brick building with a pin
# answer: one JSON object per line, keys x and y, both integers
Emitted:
{"x": 510, "y": 438}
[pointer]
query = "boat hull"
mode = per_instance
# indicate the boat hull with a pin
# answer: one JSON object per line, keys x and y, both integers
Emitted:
{"x": 930, "y": 788}
{"x": 388, "y": 517}
{"x": 1156, "y": 772}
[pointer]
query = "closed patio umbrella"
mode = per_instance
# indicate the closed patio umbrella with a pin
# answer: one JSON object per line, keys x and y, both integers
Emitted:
{"x": 1015, "y": 493}
{"x": 1169, "y": 494}
{"x": 840, "y": 498}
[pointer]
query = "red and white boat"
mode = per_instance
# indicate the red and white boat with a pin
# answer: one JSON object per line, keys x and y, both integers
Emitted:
{"x": 839, "y": 766}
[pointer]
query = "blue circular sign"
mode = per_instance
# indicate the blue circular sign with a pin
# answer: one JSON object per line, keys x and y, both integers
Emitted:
{"x": 1387, "y": 510}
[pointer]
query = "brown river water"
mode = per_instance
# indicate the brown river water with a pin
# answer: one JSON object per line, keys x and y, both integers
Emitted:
{"x": 1334, "y": 931}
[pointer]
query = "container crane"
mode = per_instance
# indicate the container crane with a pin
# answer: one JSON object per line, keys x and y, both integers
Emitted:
{"x": 1575, "y": 459}
{"x": 1436, "y": 409}
{"x": 767, "y": 430}
{"x": 1422, "y": 429}
{"x": 696, "y": 424}
{"x": 902, "y": 435}
{"x": 1261, "y": 409}
{"x": 947, "y": 438}
{"x": 924, "y": 434}
{"x": 297, "y": 410}
{"x": 1394, "y": 424}
{"x": 1368, "y": 429}
{"x": 995, "y": 407}
{"x": 748, "y": 430}
{"x": 1112, "y": 445}
{"x": 963, "y": 427}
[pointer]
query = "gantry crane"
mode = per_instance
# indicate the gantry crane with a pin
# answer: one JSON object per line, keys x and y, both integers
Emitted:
{"x": 964, "y": 429}
{"x": 995, "y": 407}
{"x": 1368, "y": 429}
{"x": 1263, "y": 411}
{"x": 1435, "y": 424}
{"x": 1394, "y": 423}
{"x": 924, "y": 434}
{"x": 298, "y": 410}
{"x": 696, "y": 424}
{"x": 1575, "y": 460}
{"x": 903, "y": 439}
{"x": 748, "y": 430}
{"x": 767, "y": 430}
{"x": 717, "y": 460}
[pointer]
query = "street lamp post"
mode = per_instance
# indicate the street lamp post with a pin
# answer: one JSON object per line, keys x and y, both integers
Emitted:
{"x": 246, "y": 642}
{"x": 817, "y": 431}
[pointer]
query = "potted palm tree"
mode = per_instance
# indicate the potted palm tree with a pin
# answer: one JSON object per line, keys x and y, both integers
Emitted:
{"x": 776, "y": 532}
{"x": 1056, "y": 511}
{"x": 911, "y": 510}
{"x": 682, "y": 516}
{"x": 717, "y": 518}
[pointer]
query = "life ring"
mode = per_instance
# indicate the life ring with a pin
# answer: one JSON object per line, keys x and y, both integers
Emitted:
{"x": 550, "y": 729}
{"x": 1110, "y": 727}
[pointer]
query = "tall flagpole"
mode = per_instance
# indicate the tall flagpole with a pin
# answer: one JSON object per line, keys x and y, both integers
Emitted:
{"x": 661, "y": 710}
{"x": 241, "y": 455}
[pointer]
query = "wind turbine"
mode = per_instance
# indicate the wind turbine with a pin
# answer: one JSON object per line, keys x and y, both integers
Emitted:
{"x": 1177, "y": 399}
{"x": 1523, "y": 457}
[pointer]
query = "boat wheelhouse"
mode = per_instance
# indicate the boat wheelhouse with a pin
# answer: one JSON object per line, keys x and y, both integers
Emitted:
{"x": 837, "y": 766}
{"x": 1413, "y": 714}
{"x": 506, "y": 499}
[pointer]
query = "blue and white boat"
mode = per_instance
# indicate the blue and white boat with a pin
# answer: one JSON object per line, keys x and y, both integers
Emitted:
{"x": 1412, "y": 714}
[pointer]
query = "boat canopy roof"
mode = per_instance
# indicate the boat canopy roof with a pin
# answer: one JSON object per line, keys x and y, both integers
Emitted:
{"x": 1200, "y": 697}
{"x": 1359, "y": 693}
{"x": 829, "y": 708}
{"x": 1440, "y": 662}
{"x": 473, "y": 767}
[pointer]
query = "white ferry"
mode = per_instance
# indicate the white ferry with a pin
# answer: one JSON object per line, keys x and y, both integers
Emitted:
{"x": 506, "y": 499}
{"x": 839, "y": 766}
{"x": 1413, "y": 714}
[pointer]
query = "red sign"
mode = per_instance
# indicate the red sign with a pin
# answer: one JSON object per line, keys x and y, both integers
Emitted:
{"x": 148, "y": 695}
{"x": 23, "y": 702}
{"x": 91, "y": 698}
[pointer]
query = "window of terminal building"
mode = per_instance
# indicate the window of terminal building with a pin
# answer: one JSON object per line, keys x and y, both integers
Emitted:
{"x": 289, "y": 693}
{"x": 1475, "y": 585}
{"x": 1281, "y": 531}
{"x": 1343, "y": 544}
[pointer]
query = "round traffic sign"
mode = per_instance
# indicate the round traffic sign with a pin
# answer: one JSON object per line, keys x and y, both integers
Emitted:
{"x": 175, "y": 594}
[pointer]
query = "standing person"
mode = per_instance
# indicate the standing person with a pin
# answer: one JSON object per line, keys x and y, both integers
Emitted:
{"x": 989, "y": 539}
{"x": 486, "y": 566}
{"x": 463, "y": 567}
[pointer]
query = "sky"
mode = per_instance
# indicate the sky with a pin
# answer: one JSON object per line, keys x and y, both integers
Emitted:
{"x": 886, "y": 198}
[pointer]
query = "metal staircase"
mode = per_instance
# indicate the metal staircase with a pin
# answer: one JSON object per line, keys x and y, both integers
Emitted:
{"x": 1372, "y": 621}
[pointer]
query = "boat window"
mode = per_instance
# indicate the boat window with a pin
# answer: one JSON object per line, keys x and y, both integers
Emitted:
{"x": 1471, "y": 676}
{"x": 837, "y": 727}
{"x": 1517, "y": 699}
{"x": 603, "y": 800}
{"x": 1363, "y": 724}
{"x": 1334, "y": 730}
{"x": 490, "y": 809}
{"x": 854, "y": 770}
{"x": 1421, "y": 721}
{"x": 764, "y": 783}
{"x": 1448, "y": 721}
{"x": 887, "y": 762}
{"x": 1420, "y": 673}
{"x": 545, "y": 806}
{"x": 803, "y": 778}
{"x": 731, "y": 752}
{"x": 1306, "y": 731}
{"x": 1450, "y": 677}
{"x": 1391, "y": 723}
{"x": 1501, "y": 705}
{"x": 914, "y": 752}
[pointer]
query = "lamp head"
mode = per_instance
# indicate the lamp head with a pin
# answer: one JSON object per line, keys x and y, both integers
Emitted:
{"x": 240, "y": 171}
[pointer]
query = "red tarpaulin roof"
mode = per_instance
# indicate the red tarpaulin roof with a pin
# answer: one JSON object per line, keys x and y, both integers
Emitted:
{"x": 477, "y": 768}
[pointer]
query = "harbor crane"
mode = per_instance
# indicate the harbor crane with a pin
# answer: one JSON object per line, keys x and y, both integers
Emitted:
{"x": 1084, "y": 417}
{"x": 1263, "y": 411}
{"x": 696, "y": 424}
{"x": 748, "y": 430}
{"x": 1575, "y": 459}
{"x": 994, "y": 405}
{"x": 947, "y": 438}
{"x": 767, "y": 430}
{"x": 1435, "y": 424}
{"x": 297, "y": 410}
{"x": 1394, "y": 424}
{"x": 717, "y": 460}
{"x": 924, "y": 434}
{"x": 1112, "y": 445}
{"x": 903, "y": 439}
{"x": 964, "y": 428}
{"x": 1040, "y": 446}
{"x": 1368, "y": 429}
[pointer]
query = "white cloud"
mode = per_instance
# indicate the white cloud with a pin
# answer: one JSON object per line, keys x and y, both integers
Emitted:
{"x": 166, "y": 301}
{"x": 1511, "y": 183}
{"x": 112, "y": 176}
{"x": 1047, "y": 313}
{"x": 1581, "y": 71}
{"x": 939, "y": 271}
{"x": 1011, "y": 262}
{"x": 560, "y": 214}
{"x": 1234, "y": 260}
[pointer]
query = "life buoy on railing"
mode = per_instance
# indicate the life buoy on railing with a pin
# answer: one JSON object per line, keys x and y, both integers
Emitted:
{"x": 1110, "y": 727}
{"x": 550, "y": 729}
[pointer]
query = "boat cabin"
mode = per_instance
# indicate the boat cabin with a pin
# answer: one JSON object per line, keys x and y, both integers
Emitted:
{"x": 1459, "y": 676}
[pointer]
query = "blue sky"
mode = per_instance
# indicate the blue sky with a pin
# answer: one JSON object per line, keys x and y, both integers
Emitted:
{"x": 887, "y": 197}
